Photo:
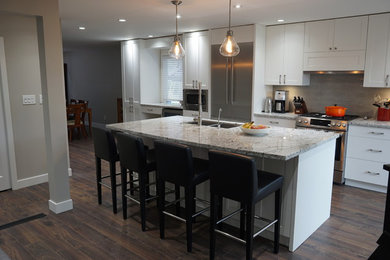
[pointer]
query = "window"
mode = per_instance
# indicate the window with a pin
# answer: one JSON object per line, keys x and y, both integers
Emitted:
{"x": 171, "y": 79}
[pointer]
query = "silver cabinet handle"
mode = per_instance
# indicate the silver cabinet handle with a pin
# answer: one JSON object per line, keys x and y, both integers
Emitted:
{"x": 274, "y": 122}
{"x": 284, "y": 79}
{"x": 376, "y": 133}
{"x": 374, "y": 150}
{"x": 280, "y": 79}
{"x": 372, "y": 173}
{"x": 387, "y": 80}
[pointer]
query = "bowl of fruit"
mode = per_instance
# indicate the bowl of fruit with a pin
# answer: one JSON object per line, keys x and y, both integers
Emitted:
{"x": 251, "y": 128}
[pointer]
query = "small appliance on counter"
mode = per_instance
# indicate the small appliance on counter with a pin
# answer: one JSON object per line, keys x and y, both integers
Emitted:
{"x": 300, "y": 105}
{"x": 281, "y": 101}
{"x": 268, "y": 105}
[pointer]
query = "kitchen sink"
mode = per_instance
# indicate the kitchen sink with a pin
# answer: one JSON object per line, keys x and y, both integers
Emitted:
{"x": 214, "y": 123}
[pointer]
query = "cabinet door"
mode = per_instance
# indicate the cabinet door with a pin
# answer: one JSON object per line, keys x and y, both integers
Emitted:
{"x": 190, "y": 60}
{"x": 293, "y": 54}
{"x": 204, "y": 60}
{"x": 319, "y": 36}
{"x": 350, "y": 34}
{"x": 377, "y": 53}
{"x": 274, "y": 51}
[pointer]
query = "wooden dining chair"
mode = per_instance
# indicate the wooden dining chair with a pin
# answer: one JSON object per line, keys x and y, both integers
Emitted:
{"x": 76, "y": 111}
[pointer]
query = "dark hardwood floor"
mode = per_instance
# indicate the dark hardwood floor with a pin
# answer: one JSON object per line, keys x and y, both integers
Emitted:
{"x": 92, "y": 231}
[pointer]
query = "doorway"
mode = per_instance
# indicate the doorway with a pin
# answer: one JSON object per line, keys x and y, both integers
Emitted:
{"x": 6, "y": 137}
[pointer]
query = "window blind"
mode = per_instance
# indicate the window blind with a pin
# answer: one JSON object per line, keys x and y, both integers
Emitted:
{"x": 171, "y": 79}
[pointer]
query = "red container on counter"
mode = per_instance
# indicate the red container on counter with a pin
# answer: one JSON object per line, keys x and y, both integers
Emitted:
{"x": 383, "y": 114}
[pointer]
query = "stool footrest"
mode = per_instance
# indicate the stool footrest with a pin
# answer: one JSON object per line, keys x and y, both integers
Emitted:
{"x": 174, "y": 216}
{"x": 200, "y": 212}
{"x": 230, "y": 236}
{"x": 229, "y": 216}
{"x": 264, "y": 228}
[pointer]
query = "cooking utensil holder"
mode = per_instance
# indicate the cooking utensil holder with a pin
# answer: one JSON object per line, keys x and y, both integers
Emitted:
{"x": 383, "y": 114}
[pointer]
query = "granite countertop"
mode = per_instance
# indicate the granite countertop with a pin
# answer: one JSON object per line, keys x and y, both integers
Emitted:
{"x": 290, "y": 116}
{"x": 280, "y": 143}
{"x": 371, "y": 122}
{"x": 163, "y": 105}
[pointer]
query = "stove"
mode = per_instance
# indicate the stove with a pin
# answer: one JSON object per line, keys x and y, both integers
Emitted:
{"x": 322, "y": 121}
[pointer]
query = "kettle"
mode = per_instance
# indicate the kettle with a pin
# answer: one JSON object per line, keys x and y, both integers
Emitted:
{"x": 268, "y": 105}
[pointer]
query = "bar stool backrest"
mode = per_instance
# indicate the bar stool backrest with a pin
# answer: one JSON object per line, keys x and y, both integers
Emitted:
{"x": 132, "y": 152}
{"x": 104, "y": 144}
{"x": 233, "y": 176}
{"x": 174, "y": 162}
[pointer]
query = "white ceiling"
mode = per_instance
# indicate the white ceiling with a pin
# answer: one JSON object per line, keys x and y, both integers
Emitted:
{"x": 157, "y": 17}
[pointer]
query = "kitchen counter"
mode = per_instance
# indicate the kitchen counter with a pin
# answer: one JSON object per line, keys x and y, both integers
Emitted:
{"x": 371, "y": 122}
{"x": 280, "y": 143}
{"x": 163, "y": 105}
{"x": 304, "y": 157}
{"x": 291, "y": 116}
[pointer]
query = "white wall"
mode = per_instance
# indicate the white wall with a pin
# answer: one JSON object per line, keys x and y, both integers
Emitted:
{"x": 94, "y": 74}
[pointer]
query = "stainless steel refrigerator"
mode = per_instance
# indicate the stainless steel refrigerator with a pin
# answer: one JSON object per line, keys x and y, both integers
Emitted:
{"x": 231, "y": 83}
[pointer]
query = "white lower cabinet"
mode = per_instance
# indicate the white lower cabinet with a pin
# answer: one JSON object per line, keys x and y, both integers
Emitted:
{"x": 274, "y": 121}
{"x": 367, "y": 151}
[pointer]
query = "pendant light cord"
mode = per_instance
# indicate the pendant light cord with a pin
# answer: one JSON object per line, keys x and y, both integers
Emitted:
{"x": 176, "y": 16}
{"x": 230, "y": 12}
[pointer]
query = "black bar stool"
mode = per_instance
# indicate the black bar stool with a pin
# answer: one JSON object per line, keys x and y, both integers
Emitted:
{"x": 105, "y": 149}
{"x": 235, "y": 177}
{"x": 176, "y": 165}
{"x": 136, "y": 158}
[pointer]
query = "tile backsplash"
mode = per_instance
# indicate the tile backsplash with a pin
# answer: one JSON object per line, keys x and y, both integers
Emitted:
{"x": 342, "y": 89}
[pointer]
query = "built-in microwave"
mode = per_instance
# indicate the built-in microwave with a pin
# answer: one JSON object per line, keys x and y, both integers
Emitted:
{"x": 191, "y": 99}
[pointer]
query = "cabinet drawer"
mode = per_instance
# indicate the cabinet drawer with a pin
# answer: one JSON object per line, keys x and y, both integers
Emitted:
{"x": 369, "y": 132}
{"x": 275, "y": 121}
{"x": 368, "y": 149}
{"x": 151, "y": 110}
{"x": 366, "y": 171}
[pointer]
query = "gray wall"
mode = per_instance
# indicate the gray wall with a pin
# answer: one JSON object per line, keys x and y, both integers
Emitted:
{"x": 94, "y": 74}
{"x": 22, "y": 61}
{"x": 342, "y": 89}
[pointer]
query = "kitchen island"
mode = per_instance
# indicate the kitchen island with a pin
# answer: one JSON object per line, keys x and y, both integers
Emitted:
{"x": 304, "y": 157}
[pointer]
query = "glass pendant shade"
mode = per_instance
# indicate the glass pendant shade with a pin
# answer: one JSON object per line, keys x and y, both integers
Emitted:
{"x": 176, "y": 51}
{"x": 229, "y": 46}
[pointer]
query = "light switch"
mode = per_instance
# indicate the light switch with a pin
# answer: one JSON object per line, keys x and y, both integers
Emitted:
{"x": 29, "y": 100}
{"x": 40, "y": 99}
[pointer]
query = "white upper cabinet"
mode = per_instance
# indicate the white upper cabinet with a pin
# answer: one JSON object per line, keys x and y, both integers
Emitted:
{"x": 284, "y": 55}
{"x": 337, "y": 44}
{"x": 377, "y": 68}
{"x": 197, "y": 59}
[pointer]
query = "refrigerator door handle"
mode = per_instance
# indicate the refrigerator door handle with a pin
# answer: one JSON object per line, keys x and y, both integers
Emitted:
{"x": 232, "y": 82}
{"x": 227, "y": 81}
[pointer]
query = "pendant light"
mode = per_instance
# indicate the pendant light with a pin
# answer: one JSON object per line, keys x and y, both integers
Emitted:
{"x": 176, "y": 51}
{"x": 229, "y": 46}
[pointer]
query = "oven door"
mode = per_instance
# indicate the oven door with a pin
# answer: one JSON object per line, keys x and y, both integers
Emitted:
{"x": 339, "y": 155}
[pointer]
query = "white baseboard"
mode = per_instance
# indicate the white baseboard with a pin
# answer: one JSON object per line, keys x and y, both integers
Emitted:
{"x": 27, "y": 182}
{"x": 366, "y": 186}
{"x": 59, "y": 207}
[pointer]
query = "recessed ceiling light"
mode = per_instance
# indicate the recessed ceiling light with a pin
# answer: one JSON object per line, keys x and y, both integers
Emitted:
{"x": 280, "y": 20}
{"x": 150, "y": 36}
{"x": 237, "y": 6}
{"x": 81, "y": 28}
{"x": 178, "y": 16}
{"x": 121, "y": 20}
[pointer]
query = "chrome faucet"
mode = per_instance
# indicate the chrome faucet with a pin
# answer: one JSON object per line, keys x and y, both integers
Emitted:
{"x": 200, "y": 104}
{"x": 219, "y": 117}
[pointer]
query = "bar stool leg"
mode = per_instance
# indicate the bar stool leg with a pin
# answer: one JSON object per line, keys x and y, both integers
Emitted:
{"x": 213, "y": 221}
{"x": 278, "y": 198}
{"x": 189, "y": 198}
{"x": 98, "y": 162}
{"x": 250, "y": 211}
{"x": 177, "y": 196}
{"x": 220, "y": 211}
{"x": 131, "y": 183}
{"x": 194, "y": 204}
{"x": 124, "y": 191}
{"x": 142, "y": 196}
{"x": 161, "y": 205}
{"x": 113, "y": 186}
{"x": 242, "y": 221}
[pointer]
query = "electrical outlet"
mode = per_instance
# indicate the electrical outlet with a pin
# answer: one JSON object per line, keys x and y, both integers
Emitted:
{"x": 29, "y": 100}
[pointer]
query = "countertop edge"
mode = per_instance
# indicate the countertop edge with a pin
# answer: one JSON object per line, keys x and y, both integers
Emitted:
{"x": 370, "y": 123}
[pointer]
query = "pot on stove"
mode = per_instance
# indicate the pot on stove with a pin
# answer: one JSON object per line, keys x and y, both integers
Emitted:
{"x": 335, "y": 110}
